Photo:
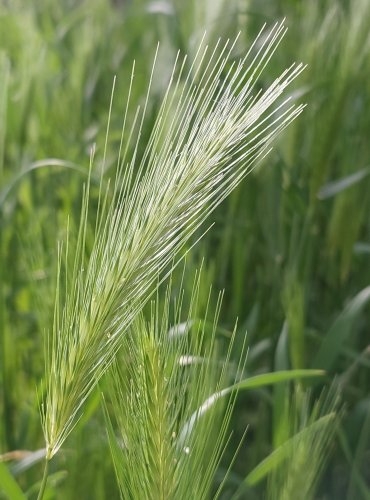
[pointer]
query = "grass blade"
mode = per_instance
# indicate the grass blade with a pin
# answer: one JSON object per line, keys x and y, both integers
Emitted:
{"x": 340, "y": 331}
{"x": 9, "y": 486}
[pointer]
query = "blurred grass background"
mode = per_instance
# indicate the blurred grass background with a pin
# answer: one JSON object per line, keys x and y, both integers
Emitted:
{"x": 291, "y": 245}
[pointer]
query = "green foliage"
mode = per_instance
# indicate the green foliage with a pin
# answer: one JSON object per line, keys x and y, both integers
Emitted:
{"x": 290, "y": 246}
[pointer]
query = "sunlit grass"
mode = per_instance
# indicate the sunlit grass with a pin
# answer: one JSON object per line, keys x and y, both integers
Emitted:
{"x": 290, "y": 246}
{"x": 210, "y": 131}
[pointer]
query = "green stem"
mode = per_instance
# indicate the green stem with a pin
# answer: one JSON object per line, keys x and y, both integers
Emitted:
{"x": 44, "y": 480}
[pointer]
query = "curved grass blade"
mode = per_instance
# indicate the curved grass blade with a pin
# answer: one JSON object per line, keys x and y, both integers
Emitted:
{"x": 9, "y": 486}
{"x": 341, "y": 329}
{"x": 250, "y": 383}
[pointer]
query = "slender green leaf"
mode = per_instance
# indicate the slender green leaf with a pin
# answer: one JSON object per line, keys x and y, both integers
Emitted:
{"x": 283, "y": 451}
{"x": 281, "y": 391}
{"x": 255, "y": 382}
{"x": 9, "y": 486}
{"x": 340, "y": 331}
{"x": 275, "y": 378}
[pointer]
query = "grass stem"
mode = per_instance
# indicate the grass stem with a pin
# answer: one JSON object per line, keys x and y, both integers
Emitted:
{"x": 44, "y": 480}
